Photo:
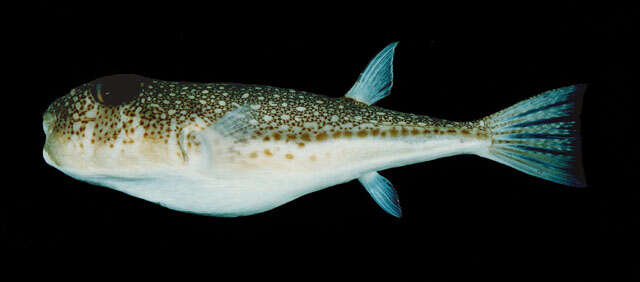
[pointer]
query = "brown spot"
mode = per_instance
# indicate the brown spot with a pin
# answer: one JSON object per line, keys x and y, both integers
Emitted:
{"x": 253, "y": 155}
{"x": 305, "y": 137}
{"x": 268, "y": 153}
{"x": 291, "y": 137}
{"x": 266, "y": 138}
{"x": 313, "y": 158}
{"x": 452, "y": 131}
{"x": 289, "y": 156}
{"x": 405, "y": 132}
{"x": 394, "y": 132}
{"x": 356, "y": 101}
{"x": 110, "y": 145}
{"x": 383, "y": 134}
{"x": 436, "y": 131}
{"x": 362, "y": 133}
{"x": 375, "y": 131}
{"x": 93, "y": 141}
{"x": 466, "y": 132}
{"x": 348, "y": 133}
{"x": 337, "y": 134}
{"x": 277, "y": 136}
{"x": 482, "y": 135}
{"x": 300, "y": 144}
{"x": 322, "y": 136}
{"x": 415, "y": 132}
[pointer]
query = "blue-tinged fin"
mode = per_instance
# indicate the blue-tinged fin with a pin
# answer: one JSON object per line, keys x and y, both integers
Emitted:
{"x": 540, "y": 136}
{"x": 377, "y": 79}
{"x": 235, "y": 126}
{"x": 382, "y": 192}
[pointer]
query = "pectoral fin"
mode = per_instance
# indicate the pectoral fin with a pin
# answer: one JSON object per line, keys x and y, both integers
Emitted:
{"x": 382, "y": 192}
{"x": 216, "y": 142}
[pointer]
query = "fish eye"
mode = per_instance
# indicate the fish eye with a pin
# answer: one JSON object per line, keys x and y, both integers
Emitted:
{"x": 117, "y": 89}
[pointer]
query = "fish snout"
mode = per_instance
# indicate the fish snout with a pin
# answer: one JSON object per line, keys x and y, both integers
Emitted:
{"x": 48, "y": 122}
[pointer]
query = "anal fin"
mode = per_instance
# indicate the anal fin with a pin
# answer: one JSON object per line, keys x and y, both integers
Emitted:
{"x": 382, "y": 191}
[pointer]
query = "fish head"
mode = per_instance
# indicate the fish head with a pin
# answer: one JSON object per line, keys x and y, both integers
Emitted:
{"x": 98, "y": 127}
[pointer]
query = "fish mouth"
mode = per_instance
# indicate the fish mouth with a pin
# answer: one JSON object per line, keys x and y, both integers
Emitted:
{"x": 48, "y": 120}
{"x": 48, "y": 158}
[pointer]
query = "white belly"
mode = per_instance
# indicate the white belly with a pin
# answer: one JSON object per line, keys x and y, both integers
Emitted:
{"x": 253, "y": 184}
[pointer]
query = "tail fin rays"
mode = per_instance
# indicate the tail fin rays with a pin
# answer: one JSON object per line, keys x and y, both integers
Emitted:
{"x": 540, "y": 136}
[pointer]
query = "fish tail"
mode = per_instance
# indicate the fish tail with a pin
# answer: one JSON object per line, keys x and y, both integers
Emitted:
{"x": 540, "y": 136}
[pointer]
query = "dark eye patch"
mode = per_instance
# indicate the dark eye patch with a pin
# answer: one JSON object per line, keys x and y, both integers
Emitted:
{"x": 118, "y": 89}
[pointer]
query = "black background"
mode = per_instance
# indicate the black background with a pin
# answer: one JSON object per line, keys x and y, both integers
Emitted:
{"x": 462, "y": 214}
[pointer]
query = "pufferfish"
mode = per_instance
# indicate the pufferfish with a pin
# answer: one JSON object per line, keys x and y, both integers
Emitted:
{"x": 227, "y": 149}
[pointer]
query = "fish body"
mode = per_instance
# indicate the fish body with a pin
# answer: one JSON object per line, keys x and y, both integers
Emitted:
{"x": 226, "y": 149}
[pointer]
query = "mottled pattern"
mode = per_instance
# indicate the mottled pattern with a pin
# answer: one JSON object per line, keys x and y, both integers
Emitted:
{"x": 162, "y": 109}
{"x": 228, "y": 149}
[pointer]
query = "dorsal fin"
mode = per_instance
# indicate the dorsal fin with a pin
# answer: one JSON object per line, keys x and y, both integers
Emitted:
{"x": 375, "y": 82}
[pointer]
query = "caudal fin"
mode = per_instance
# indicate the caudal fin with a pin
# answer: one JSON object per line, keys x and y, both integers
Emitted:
{"x": 540, "y": 136}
